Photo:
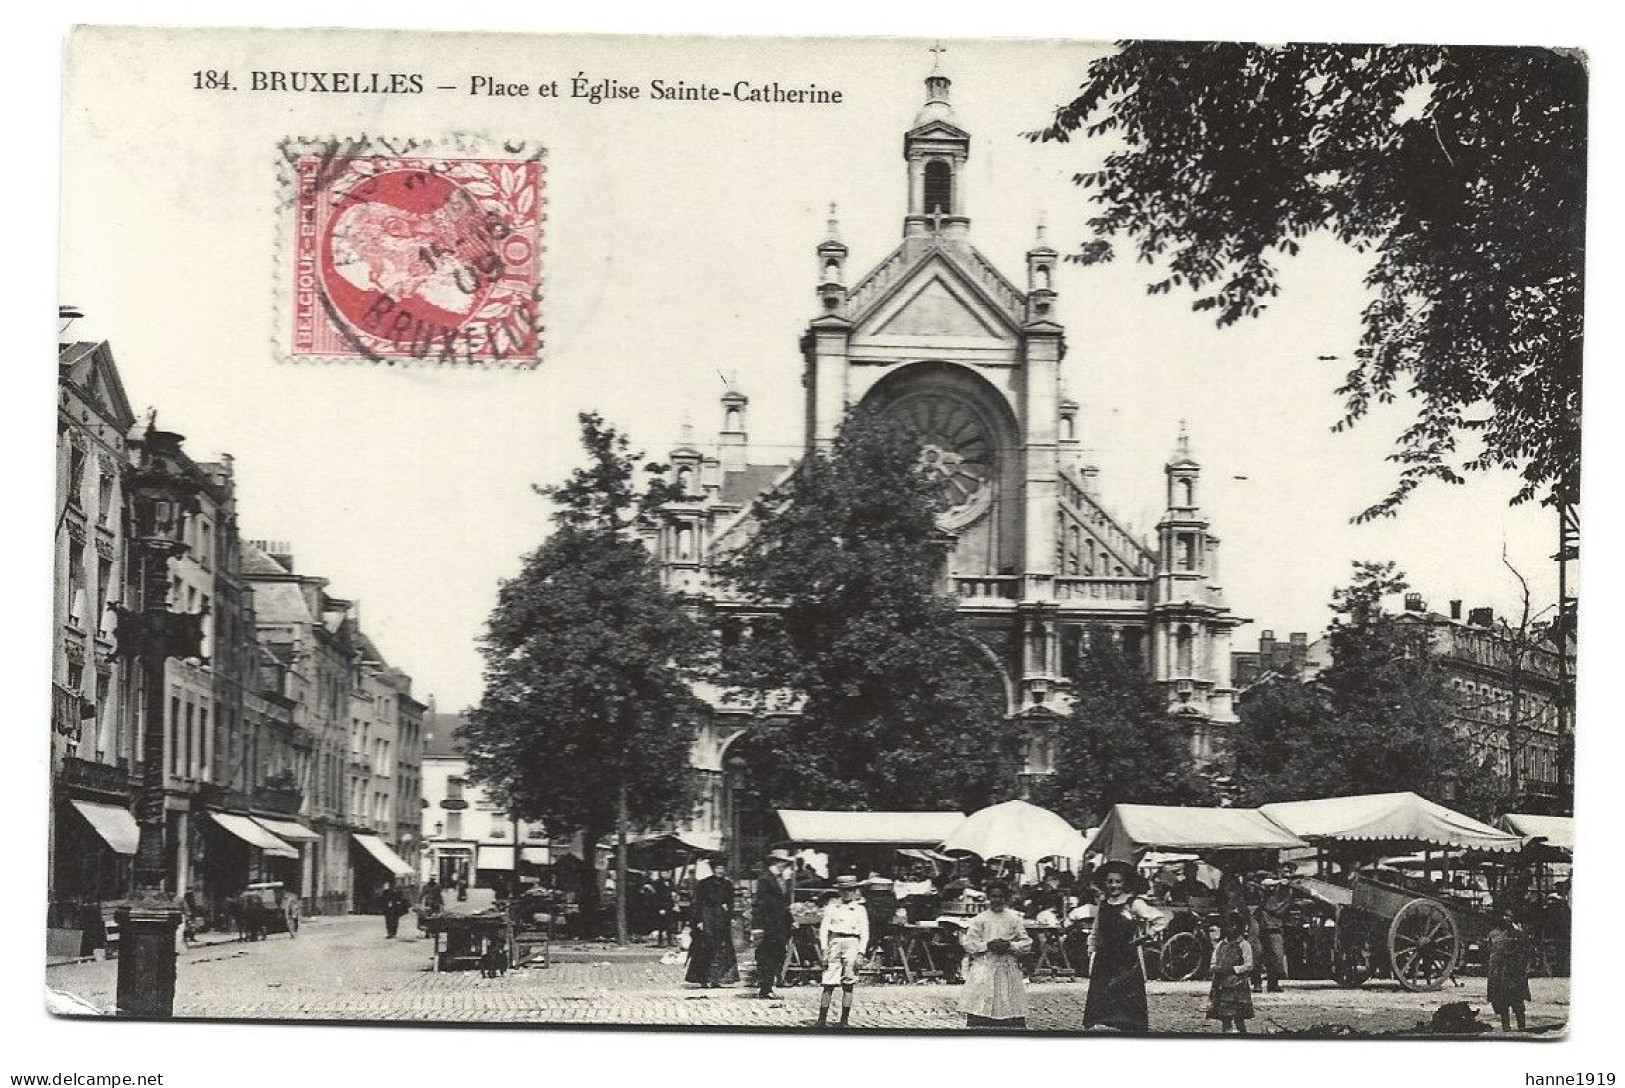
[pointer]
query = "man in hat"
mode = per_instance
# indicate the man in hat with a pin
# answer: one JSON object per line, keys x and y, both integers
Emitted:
{"x": 771, "y": 914}
{"x": 1272, "y": 914}
{"x": 842, "y": 937}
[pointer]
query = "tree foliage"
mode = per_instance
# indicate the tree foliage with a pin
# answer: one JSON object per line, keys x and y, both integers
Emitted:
{"x": 1376, "y": 720}
{"x": 589, "y": 663}
{"x": 1460, "y": 169}
{"x": 1119, "y": 745}
{"x": 893, "y": 703}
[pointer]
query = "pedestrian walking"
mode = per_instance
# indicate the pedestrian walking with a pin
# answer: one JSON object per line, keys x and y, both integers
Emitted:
{"x": 434, "y": 899}
{"x": 1124, "y": 921}
{"x": 771, "y": 915}
{"x": 1507, "y": 984}
{"x": 663, "y": 902}
{"x": 1230, "y": 995}
{"x": 393, "y": 902}
{"x": 842, "y": 937}
{"x": 711, "y": 959}
{"x": 1272, "y": 927}
{"x": 995, "y": 991}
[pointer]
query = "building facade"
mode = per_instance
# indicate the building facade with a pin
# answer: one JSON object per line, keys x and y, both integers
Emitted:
{"x": 467, "y": 836}
{"x": 346, "y": 712}
{"x": 95, "y": 738}
{"x": 1514, "y": 697}
{"x": 940, "y": 342}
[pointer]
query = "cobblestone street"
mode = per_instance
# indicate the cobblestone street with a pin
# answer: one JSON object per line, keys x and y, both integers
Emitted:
{"x": 345, "y": 969}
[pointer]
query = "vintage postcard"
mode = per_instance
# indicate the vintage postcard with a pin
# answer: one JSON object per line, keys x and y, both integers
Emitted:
{"x": 817, "y": 535}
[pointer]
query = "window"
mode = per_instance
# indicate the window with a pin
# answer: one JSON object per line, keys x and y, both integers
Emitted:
{"x": 939, "y": 187}
{"x": 104, "y": 497}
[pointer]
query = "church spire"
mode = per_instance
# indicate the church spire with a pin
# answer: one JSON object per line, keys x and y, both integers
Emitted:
{"x": 936, "y": 149}
{"x": 832, "y": 266}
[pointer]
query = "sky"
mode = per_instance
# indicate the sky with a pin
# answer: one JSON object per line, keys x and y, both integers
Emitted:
{"x": 679, "y": 255}
{"x": 190, "y": 329}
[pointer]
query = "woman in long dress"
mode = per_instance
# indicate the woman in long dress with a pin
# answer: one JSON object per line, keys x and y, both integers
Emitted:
{"x": 711, "y": 960}
{"x": 1116, "y": 997}
{"x": 995, "y": 992}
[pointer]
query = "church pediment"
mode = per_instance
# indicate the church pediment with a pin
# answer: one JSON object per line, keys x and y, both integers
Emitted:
{"x": 938, "y": 129}
{"x": 937, "y": 299}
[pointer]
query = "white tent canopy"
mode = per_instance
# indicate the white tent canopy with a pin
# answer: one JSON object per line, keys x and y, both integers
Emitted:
{"x": 1558, "y": 831}
{"x": 1402, "y": 821}
{"x": 811, "y": 828}
{"x": 1016, "y": 829}
{"x": 1129, "y": 829}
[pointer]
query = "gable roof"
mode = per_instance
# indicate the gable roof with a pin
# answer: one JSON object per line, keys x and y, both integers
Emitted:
{"x": 89, "y": 367}
{"x": 987, "y": 293}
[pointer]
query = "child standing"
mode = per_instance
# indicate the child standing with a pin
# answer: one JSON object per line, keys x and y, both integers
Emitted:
{"x": 842, "y": 938}
{"x": 1230, "y": 998}
{"x": 1508, "y": 983}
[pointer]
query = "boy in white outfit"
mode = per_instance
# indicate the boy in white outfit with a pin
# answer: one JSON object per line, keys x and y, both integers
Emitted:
{"x": 843, "y": 936}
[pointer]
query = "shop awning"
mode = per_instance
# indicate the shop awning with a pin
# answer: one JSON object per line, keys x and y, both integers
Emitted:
{"x": 254, "y": 835}
{"x": 1128, "y": 829}
{"x": 1558, "y": 831}
{"x": 115, "y": 825}
{"x": 381, "y": 852}
{"x": 287, "y": 830}
{"x": 808, "y": 828}
{"x": 501, "y": 857}
{"x": 1394, "y": 822}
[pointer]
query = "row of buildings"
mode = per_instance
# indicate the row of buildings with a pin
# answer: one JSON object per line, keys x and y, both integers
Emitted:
{"x": 1512, "y": 688}
{"x": 293, "y": 750}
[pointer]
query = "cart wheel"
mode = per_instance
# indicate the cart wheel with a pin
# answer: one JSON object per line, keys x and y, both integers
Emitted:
{"x": 1184, "y": 955}
{"x": 1424, "y": 945}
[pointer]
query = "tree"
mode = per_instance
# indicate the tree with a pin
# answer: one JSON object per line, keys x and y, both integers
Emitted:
{"x": 1378, "y": 719}
{"x": 874, "y": 692}
{"x": 1119, "y": 745}
{"x": 1461, "y": 169}
{"x": 588, "y": 716}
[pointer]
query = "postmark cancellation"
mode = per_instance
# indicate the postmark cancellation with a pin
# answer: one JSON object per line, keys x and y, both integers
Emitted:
{"x": 411, "y": 251}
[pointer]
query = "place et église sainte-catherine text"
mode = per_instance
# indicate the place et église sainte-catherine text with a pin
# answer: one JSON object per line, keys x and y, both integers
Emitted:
{"x": 589, "y": 89}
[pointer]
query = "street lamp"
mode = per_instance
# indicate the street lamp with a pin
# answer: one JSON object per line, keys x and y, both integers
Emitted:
{"x": 162, "y": 490}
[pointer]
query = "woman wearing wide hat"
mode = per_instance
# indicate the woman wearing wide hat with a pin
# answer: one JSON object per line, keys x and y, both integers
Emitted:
{"x": 1123, "y": 922}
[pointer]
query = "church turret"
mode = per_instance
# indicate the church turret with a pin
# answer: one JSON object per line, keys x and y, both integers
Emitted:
{"x": 832, "y": 267}
{"x": 733, "y": 440}
{"x": 936, "y": 149}
{"x": 685, "y": 463}
{"x": 1182, "y": 532}
{"x": 1041, "y": 279}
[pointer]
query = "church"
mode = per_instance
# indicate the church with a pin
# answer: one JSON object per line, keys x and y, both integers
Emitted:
{"x": 939, "y": 341}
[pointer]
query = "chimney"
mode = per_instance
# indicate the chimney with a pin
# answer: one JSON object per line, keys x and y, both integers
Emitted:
{"x": 1266, "y": 645}
{"x": 1481, "y": 617}
{"x": 1413, "y": 602}
{"x": 1298, "y": 648}
{"x": 1455, "y": 610}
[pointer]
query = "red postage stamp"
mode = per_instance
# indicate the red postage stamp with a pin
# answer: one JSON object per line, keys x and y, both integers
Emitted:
{"x": 421, "y": 252}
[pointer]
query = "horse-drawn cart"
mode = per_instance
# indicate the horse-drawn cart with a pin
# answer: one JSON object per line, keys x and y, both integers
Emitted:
{"x": 1416, "y": 938}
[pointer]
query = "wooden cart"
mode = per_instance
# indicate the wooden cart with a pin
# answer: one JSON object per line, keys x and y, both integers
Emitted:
{"x": 1415, "y": 938}
{"x": 458, "y": 940}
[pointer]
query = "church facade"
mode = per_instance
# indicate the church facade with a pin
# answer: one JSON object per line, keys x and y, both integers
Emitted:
{"x": 944, "y": 344}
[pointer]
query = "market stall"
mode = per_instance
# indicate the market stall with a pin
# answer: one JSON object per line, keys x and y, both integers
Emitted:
{"x": 866, "y": 842}
{"x": 1231, "y": 839}
{"x": 1415, "y": 934}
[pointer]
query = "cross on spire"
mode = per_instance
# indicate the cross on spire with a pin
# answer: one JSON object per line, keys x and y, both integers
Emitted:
{"x": 937, "y": 50}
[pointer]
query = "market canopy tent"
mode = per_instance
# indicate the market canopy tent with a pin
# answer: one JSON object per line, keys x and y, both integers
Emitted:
{"x": 665, "y": 852}
{"x": 803, "y": 827}
{"x": 1557, "y": 831}
{"x": 1129, "y": 829}
{"x": 1388, "y": 823}
{"x": 1016, "y": 829}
